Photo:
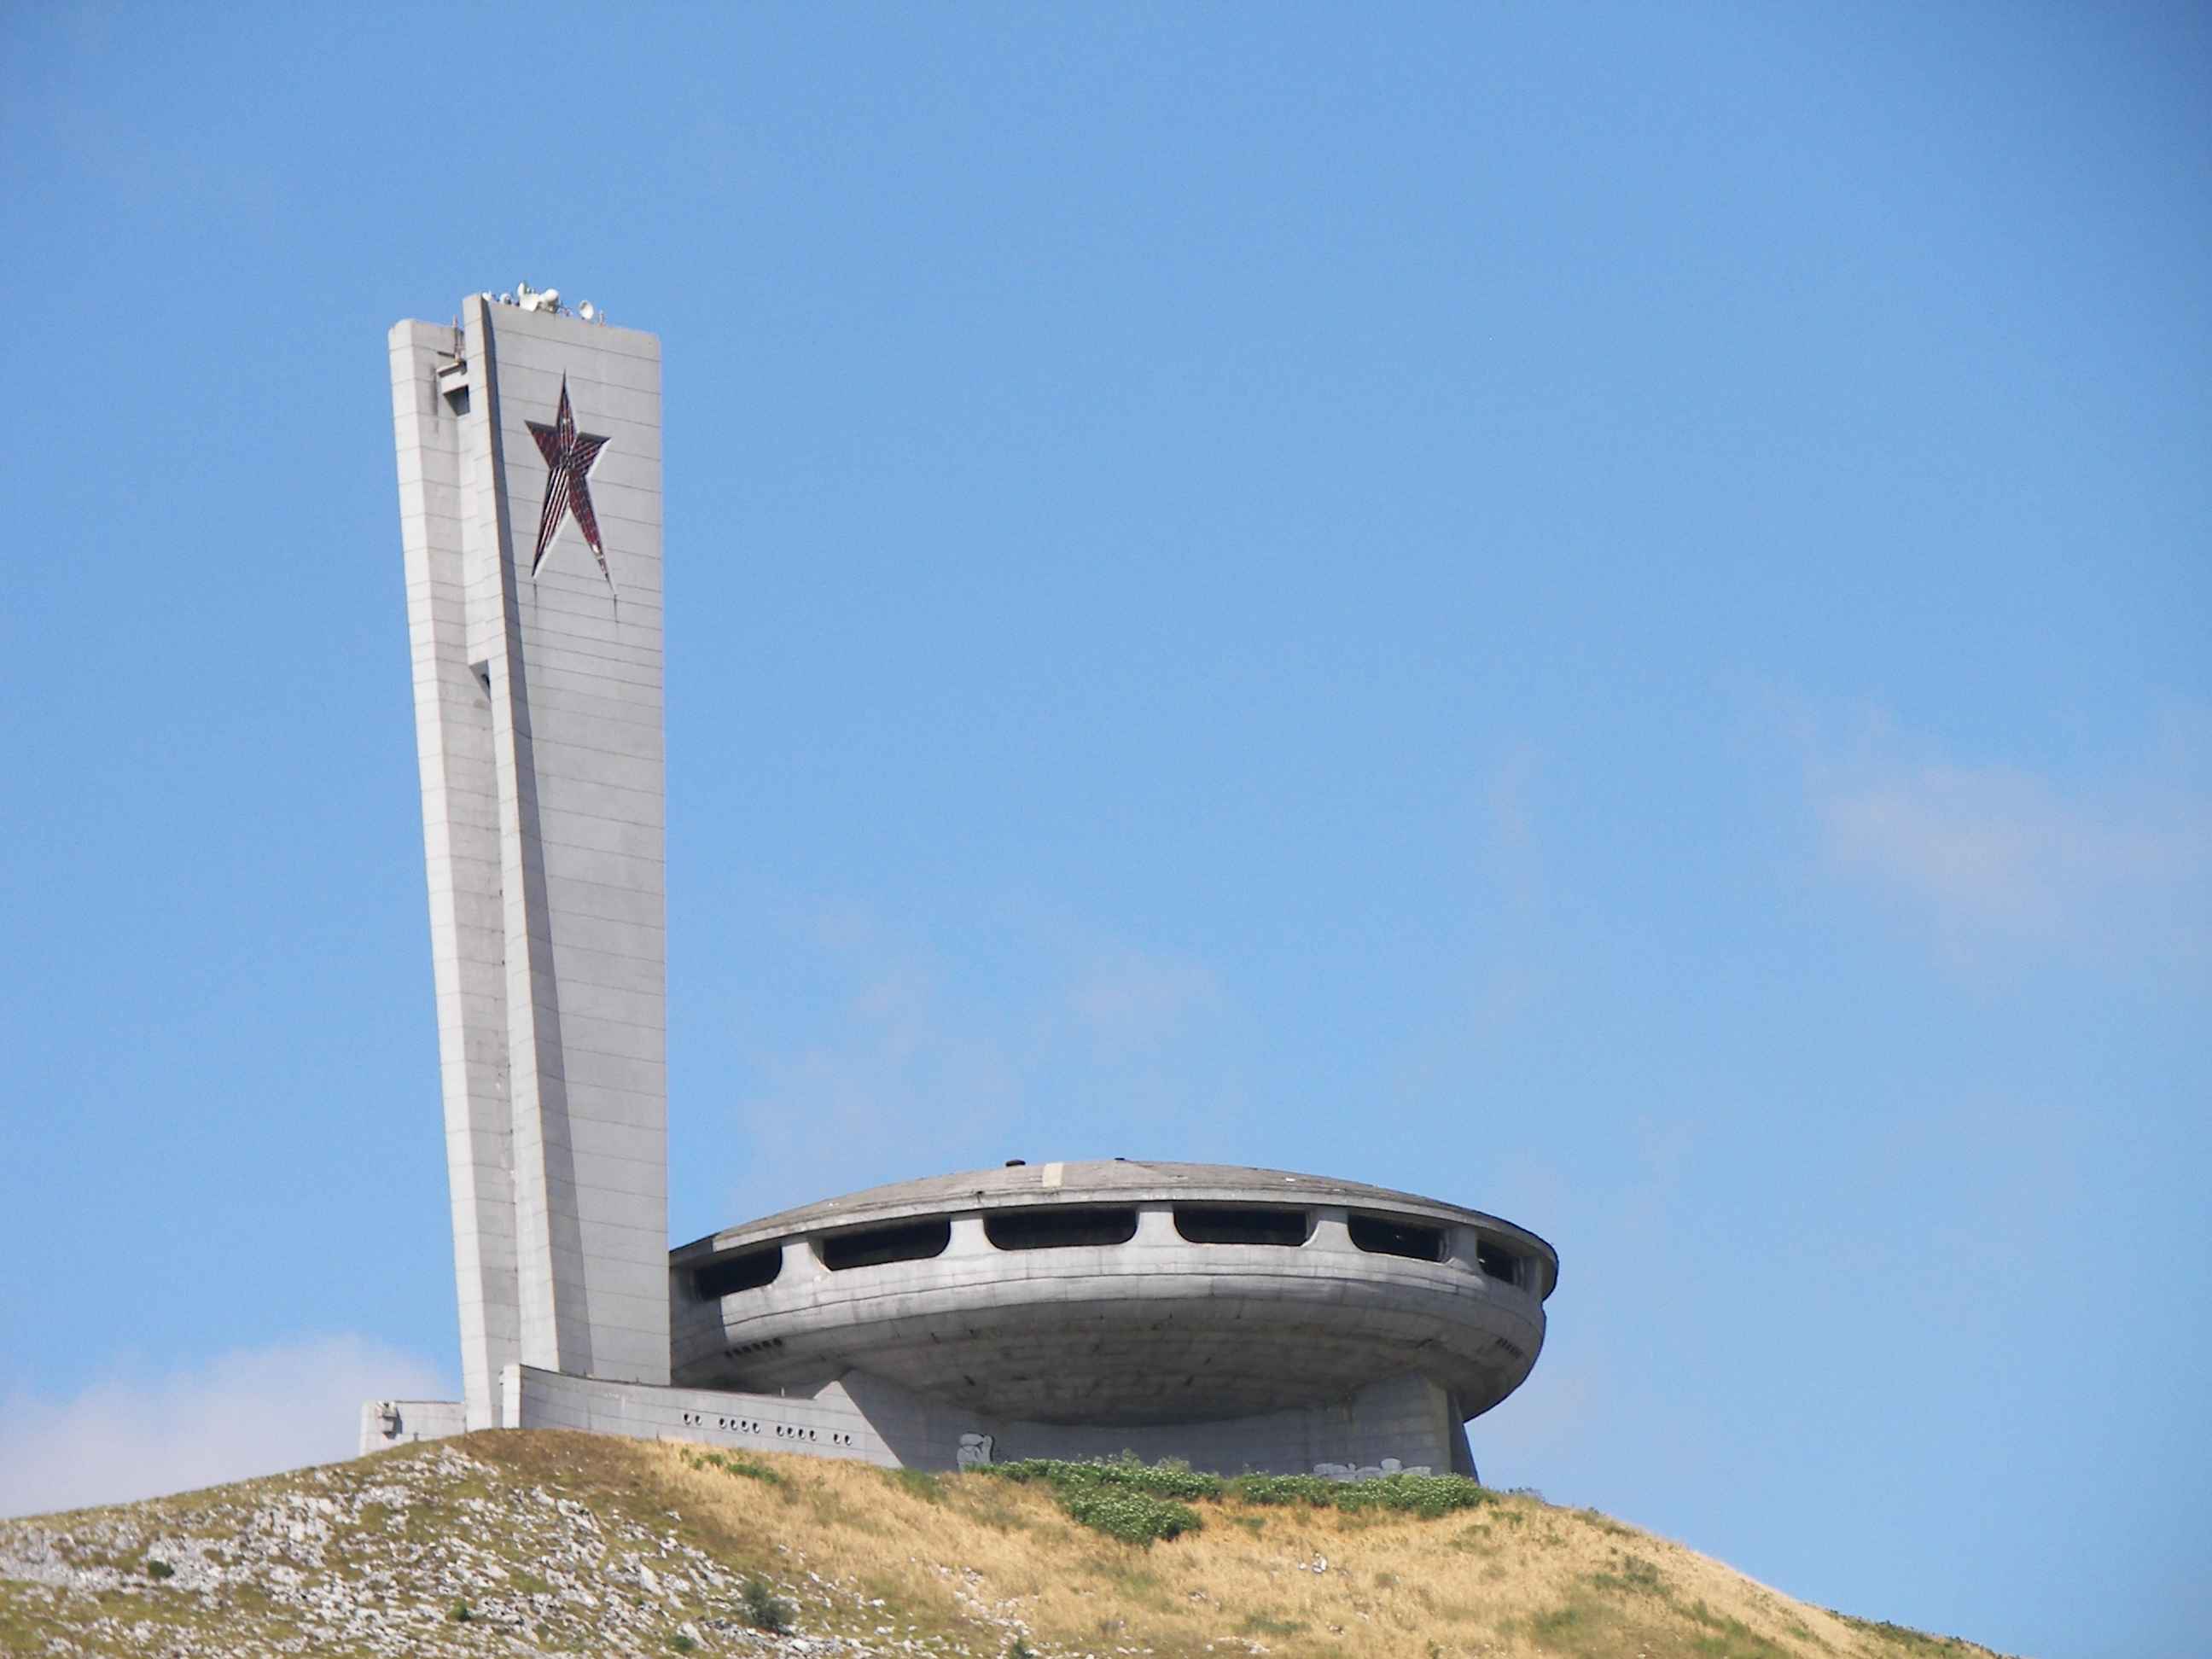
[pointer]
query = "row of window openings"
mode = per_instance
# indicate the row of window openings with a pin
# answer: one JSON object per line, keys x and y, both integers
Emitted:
{"x": 1057, "y": 1228}
{"x": 752, "y": 1425}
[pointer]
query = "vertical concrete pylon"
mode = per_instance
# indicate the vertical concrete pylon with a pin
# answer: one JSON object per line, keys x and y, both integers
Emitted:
{"x": 529, "y": 450}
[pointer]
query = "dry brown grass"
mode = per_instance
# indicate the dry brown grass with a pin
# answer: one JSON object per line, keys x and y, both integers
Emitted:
{"x": 962, "y": 1564}
{"x": 1513, "y": 1577}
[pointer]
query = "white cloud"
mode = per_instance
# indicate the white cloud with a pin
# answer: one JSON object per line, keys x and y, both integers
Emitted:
{"x": 898, "y": 1075}
{"x": 251, "y": 1412}
{"x": 1032, "y": 1030}
{"x": 1509, "y": 847}
{"x": 1132, "y": 1002}
{"x": 906, "y": 1056}
{"x": 1998, "y": 857}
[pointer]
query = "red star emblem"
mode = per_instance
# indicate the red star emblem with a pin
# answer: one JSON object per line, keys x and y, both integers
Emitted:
{"x": 568, "y": 456}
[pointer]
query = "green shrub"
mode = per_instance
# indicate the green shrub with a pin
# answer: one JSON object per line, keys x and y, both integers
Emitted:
{"x": 920, "y": 1483}
{"x": 1633, "y": 1575}
{"x": 1141, "y": 1502}
{"x": 1425, "y": 1495}
{"x": 462, "y": 1613}
{"x": 730, "y": 1463}
{"x": 1134, "y": 1518}
{"x": 1904, "y": 1636}
{"x": 763, "y": 1609}
{"x": 1285, "y": 1489}
{"x": 1136, "y": 1501}
{"x": 1170, "y": 1479}
{"x": 1731, "y": 1638}
{"x": 157, "y": 1568}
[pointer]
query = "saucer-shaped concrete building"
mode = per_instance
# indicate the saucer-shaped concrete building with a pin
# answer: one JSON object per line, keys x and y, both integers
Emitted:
{"x": 1237, "y": 1318}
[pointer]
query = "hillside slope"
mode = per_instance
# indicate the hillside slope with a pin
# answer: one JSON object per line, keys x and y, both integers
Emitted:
{"x": 547, "y": 1543}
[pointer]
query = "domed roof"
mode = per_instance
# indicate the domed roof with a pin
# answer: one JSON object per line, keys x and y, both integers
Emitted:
{"x": 1101, "y": 1181}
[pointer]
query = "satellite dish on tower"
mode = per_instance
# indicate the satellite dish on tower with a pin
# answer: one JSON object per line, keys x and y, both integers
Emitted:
{"x": 588, "y": 312}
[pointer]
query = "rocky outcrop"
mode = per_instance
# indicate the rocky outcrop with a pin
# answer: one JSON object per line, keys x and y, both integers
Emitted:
{"x": 415, "y": 1554}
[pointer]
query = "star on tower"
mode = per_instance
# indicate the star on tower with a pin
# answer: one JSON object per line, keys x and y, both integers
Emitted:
{"x": 569, "y": 457}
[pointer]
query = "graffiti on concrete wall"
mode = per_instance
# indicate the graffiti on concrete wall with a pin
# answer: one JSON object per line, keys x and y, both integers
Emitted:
{"x": 1369, "y": 1471}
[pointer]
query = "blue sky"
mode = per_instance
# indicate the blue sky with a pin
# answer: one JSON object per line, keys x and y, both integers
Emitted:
{"x": 1598, "y": 611}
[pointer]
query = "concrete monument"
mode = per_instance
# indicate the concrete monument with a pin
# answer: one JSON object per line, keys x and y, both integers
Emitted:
{"x": 529, "y": 445}
{"x": 1239, "y": 1318}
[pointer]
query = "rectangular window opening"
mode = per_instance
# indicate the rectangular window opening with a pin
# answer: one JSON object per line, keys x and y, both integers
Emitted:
{"x": 1496, "y": 1262}
{"x": 1050, "y": 1227}
{"x": 748, "y": 1270}
{"x": 1383, "y": 1235}
{"x": 871, "y": 1247}
{"x": 1241, "y": 1225}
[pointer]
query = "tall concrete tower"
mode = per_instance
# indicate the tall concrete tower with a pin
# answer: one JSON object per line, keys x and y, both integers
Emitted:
{"x": 529, "y": 445}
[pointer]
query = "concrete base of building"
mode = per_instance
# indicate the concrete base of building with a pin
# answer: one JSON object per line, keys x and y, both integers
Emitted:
{"x": 1403, "y": 1423}
{"x": 396, "y": 1422}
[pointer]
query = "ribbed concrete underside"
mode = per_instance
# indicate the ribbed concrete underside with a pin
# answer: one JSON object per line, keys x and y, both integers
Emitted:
{"x": 1140, "y": 1362}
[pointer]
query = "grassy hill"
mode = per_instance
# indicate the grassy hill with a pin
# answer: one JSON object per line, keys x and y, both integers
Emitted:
{"x": 559, "y": 1543}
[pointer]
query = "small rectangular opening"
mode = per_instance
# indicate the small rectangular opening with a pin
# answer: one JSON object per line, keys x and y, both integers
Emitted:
{"x": 904, "y": 1240}
{"x": 1379, "y": 1235}
{"x": 1497, "y": 1261}
{"x": 747, "y": 1271}
{"x": 1049, "y": 1227}
{"x": 1241, "y": 1225}
{"x": 453, "y": 383}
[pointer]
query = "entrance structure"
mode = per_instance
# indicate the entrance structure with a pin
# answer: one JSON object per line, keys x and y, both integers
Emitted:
{"x": 1239, "y": 1318}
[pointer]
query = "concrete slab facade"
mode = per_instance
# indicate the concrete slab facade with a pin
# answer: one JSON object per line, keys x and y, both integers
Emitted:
{"x": 400, "y": 1422}
{"x": 537, "y": 637}
{"x": 1400, "y": 1422}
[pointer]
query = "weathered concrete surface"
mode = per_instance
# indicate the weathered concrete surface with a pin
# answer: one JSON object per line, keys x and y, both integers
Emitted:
{"x": 1157, "y": 1329}
{"x": 1404, "y": 1419}
{"x": 538, "y": 692}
